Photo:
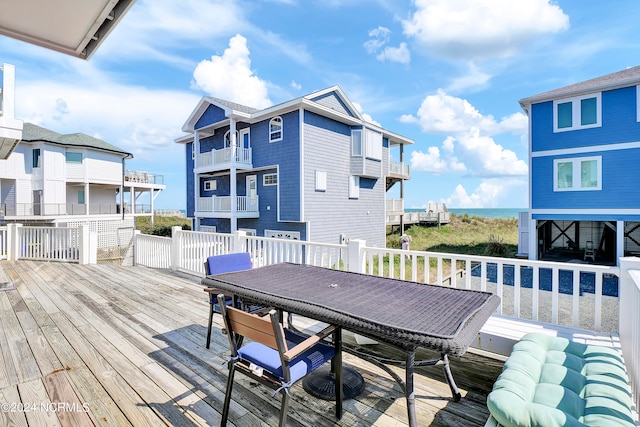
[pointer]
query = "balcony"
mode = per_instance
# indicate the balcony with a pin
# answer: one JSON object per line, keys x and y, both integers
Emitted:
{"x": 220, "y": 207}
{"x": 224, "y": 158}
{"x": 399, "y": 170}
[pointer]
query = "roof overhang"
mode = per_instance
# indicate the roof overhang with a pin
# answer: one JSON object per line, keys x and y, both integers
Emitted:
{"x": 73, "y": 27}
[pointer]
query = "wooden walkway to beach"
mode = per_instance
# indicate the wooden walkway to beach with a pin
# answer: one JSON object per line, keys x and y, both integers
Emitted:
{"x": 124, "y": 346}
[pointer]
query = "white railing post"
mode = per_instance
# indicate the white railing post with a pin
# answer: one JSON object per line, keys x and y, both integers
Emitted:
{"x": 629, "y": 322}
{"x": 87, "y": 245}
{"x": 239, "y": 242}
{"x": 176, "y": 251}
{"x": 357, "y": 262}
{"x": 136, "y": 235}
{"x": 13, "y": 241}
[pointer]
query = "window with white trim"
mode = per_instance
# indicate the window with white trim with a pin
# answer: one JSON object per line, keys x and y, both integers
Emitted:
{"x": 275, "y": 129}
{"x": 580, "y": 112}
{"x": 270, "y": 179}
{"x": 73, "y": 157}
{"x": 578, "y": 174}
{"x": 356, "y": 143}
{"x": 321, "y": 181}
{"x": 282, "y": 234}
{"x": 354, "y": 187}
{"x": 227, "y": 139}
{"x": 373, "y": 145}
{"x": 210, "y": 185}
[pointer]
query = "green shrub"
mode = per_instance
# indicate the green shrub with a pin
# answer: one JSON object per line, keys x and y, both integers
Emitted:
{"x": 496, "y": 247}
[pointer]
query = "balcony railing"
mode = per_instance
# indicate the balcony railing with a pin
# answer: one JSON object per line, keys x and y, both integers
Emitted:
{"x": 222, "y": 204}
{"x": 60, "y": 209}
{"x": 394, "y": 205}
{"x": 399, "y": 168}
{"x": 224, "y": 157}
{"x": 143, "y": 177}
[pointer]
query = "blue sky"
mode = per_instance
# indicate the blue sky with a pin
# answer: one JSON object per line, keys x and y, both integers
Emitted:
{"x": 446, "y": 73}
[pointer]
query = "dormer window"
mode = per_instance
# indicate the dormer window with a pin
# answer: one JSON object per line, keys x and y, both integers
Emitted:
{"x": 275, "y": 129}
{"x": 581, "y": 112}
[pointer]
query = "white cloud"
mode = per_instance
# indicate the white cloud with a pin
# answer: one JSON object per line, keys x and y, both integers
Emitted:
{"x": 490, "y": 193}
{"x": 136, "y": 119}
{"x": 378, "y": 46}
{"x": 474, "y": 80}
{"x": 396, "y": 54}
{"x": 296, "y": 85}
{"x": 469, "y": 145}
{"x": 230, "y": 76}
{"x": 434, "y": 162}
{"x": 364, "y": 115}
{"x": 474, "y": 29}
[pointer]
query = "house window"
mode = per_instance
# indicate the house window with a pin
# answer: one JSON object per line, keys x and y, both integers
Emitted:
{"x": 581, "y": 112}
{"x": 275, "y": 129}
{"x": 227, "y": 139}
{"x": 210, "y": 185}
{"x": 282, "y": 234}
{"x": 36, "y": 157}
{"x": 578, "y": 174}
{"x": 354, "y": 187}
{"x": 270, "y": 179}
{"x": 373, "y": 145}
{"x": 321, "y": 181}
{"x": 356, "y": 143}
{"x": 73, "y": 157}
{"x": 81, "y": 197}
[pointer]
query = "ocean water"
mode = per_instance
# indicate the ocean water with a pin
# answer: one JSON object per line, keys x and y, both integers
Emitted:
{"x": 483, "y": 212}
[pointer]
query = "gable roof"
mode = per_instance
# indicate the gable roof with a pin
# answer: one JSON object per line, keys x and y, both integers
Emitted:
{"x": 33, "y": 133}
{"x": 308, "y": 102}
{"x": 627, "y": 77}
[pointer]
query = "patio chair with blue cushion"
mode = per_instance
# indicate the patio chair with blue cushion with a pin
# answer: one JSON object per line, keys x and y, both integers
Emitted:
{"x": 217, "y": 264}
{"x": 276, "y": 356}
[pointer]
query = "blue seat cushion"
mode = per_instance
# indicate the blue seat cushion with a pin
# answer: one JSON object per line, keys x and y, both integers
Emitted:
{"x": 269, "y": 359}
{"x": 228, "y": 263}
{"x": 551, "y": 381}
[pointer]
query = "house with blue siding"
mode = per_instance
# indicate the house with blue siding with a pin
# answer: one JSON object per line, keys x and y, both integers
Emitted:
{"x": 584, "y": 157}
{"x": 310, "y": 168}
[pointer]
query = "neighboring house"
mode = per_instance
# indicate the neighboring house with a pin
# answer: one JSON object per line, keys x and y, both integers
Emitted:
{"x": 58, "y": 179}
{"x": 309, "y": 168}
{"x": 584, "y": 157}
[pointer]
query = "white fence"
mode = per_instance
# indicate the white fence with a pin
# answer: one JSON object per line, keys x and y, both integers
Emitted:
{"x": 630, "y": 321}
{"x": 152, "y": 251}
{"x": 49, "y": 243}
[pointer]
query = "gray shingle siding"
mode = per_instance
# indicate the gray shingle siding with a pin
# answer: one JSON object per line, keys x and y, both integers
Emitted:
{"x": 327, "y": 147}
{"x": 332, "y": 101}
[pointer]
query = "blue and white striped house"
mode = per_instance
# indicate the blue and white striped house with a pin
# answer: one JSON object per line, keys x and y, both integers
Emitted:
{"x": 584, "y": 175}
{"x": 309, "y": 168}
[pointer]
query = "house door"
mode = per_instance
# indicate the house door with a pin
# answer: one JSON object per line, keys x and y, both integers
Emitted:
{"x": 252, "y": 192}
{"x": 37, "y": 202}
{"x": 245, "y": 140}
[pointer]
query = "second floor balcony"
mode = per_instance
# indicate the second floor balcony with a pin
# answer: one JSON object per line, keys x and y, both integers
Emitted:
{"x": 220, "y": 207}
{"x": 224, "y": 158}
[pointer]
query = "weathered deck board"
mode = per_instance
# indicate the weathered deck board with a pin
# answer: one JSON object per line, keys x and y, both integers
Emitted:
{"x": 128, "y": 343}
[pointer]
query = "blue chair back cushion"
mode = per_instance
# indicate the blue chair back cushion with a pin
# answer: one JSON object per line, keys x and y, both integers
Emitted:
{"x": 227, "y": 263}
{"x": 269, "y": 359}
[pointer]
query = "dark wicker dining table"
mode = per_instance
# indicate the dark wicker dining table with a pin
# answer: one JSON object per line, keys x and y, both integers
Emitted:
{"x": 404, "y": 314}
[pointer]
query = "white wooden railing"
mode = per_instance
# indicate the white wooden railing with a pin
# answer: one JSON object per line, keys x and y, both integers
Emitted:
{"x": 224, "y": 156}
{"x": 152, "y": 251}
{"x": 630, "y": 321}
{"x": 530, "y": 290}
{"x": 394, "y": 205}
{"x": 223, "y": 204}
{"x": 399, "y": 168}
{"x": 49, "y": 243}
{"x": 267, "y": 251}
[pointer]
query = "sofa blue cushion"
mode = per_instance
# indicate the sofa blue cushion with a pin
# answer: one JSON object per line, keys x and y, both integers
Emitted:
{"x": 551, "y": 381}
{"x": 269, "y": 359}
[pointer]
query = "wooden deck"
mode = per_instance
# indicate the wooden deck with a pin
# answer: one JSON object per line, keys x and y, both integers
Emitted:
{"x": 117, "y": 346}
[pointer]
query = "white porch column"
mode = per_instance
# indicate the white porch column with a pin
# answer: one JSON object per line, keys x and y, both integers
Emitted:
{"x": 87, "y": 198}
{"x": 196, "y": 180}
{"x": 619, "y": 241}
{"x": 533, "y": 239}
{"x": 233, "y": 193}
